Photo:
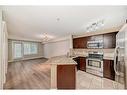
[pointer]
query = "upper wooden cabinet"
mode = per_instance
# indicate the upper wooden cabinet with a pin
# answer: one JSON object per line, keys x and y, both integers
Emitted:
{"x": 108, "y": 39}
{"x": 80, "y": 42}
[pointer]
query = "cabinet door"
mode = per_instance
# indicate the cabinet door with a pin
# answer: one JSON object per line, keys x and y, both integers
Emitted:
{"x": 108, "y": 69}
{"x": 75, "y": 43}
{"x": 110, "y": 40}
{"x": 79, "y": 42}
{"x": 82, "y": 63}
{"x": 66, "y": 77}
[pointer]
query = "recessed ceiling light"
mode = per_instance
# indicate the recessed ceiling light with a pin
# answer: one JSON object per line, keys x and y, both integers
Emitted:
{"x": 58, "y": 19}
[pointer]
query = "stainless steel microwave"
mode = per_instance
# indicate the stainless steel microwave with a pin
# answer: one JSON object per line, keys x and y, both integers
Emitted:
{"x": 95, "y": 44}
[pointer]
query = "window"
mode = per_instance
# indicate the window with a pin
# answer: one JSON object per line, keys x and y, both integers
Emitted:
{"x": 17, "y": 50}
{"x": 21, "y": 48}
{"x": 34, "y": 48}
{"x": 30, "y": 48}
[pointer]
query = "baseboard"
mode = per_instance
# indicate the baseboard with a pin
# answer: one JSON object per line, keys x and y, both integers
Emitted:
{"x": 27, "y": 59}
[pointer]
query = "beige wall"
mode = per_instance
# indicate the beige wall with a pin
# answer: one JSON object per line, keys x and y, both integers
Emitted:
{"x": 40, "y": 52}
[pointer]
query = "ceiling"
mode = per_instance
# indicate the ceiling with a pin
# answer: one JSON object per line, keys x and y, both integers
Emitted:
{"x": 30, "y": 22}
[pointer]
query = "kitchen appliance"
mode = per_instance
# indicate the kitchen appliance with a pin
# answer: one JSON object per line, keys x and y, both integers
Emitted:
{"x": 120, "y": 58}
{"x": 95, "y": 44}
{"x": 94, "y": 63}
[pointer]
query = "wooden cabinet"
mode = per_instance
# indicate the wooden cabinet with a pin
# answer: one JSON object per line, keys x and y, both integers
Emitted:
{"x": 81, "y": 63}
{"x": 110, "y": 40}
{"x": 75, "y": 42}
{"x": 79, "y": 42}
{"x": 108, "y": 69}
{"x": 66, "y": 76}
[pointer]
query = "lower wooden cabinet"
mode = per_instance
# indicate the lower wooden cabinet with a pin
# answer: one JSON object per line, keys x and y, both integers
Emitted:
{"x": 77, "y": 61}
{"x": 82, "y": 63}
{"x": 66, "y": 76}
{"x": 108, "y": 69}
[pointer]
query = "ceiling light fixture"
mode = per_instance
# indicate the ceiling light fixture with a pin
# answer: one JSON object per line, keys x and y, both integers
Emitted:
{"x": 46, "y": 37}
{"x": 95, "y": 26}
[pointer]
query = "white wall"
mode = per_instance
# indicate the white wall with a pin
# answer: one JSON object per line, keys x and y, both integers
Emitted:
{"x": 56, "y": 48}
{"x": 1, "y": 83}
{"x": 3, "y": 51}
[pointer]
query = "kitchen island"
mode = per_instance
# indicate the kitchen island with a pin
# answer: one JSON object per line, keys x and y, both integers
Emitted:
{"x": 63, "y": 72}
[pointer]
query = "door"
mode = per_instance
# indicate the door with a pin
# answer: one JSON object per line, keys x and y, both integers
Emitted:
{"x": 119, "y": 62}
{"x": 17, "y": 50}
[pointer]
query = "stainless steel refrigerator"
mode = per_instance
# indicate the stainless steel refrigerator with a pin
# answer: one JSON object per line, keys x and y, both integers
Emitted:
{"x": 120, "y": 58}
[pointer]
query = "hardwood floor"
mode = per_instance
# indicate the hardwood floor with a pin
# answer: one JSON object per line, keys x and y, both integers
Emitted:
{"x": 30, "y": 74}
{"x": 35, "y": 74}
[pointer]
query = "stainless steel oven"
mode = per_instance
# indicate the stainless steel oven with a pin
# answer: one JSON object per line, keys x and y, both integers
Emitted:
{"x": 94, "y": 63}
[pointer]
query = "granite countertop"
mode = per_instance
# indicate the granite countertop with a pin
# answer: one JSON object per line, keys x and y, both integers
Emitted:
{"x": 61, "y": 60}
{"x": 108, "y": 56}
{"x": 64, "y": 60}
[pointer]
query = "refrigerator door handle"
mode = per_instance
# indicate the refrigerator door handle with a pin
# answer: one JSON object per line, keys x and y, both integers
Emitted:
{"x": 115, "y": 60}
